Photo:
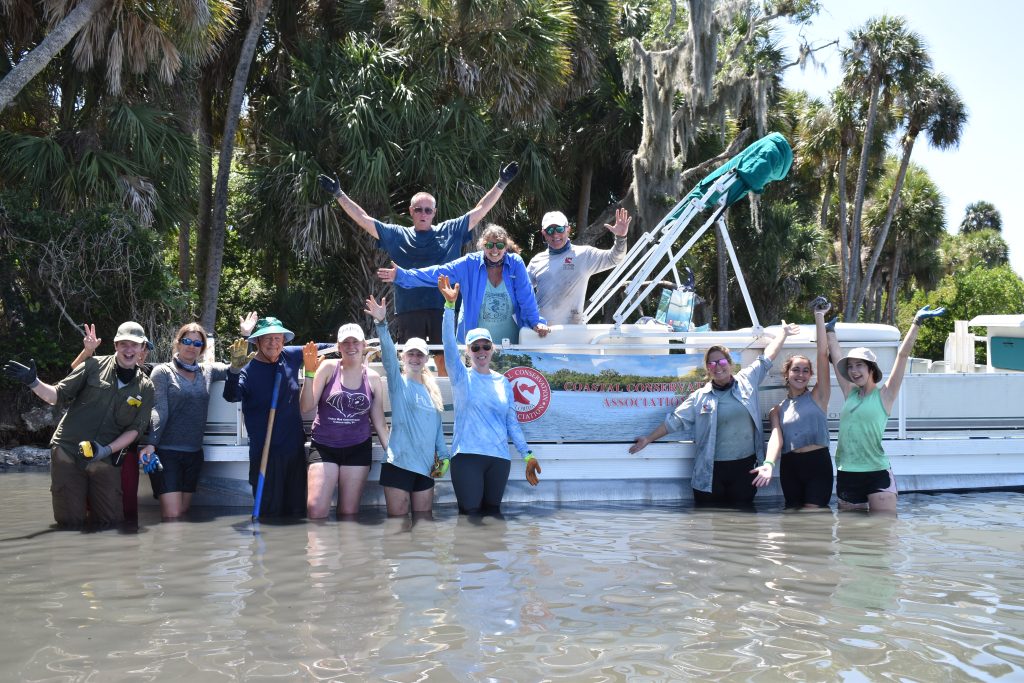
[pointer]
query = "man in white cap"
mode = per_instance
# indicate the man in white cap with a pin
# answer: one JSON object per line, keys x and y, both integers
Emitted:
{"x": 109, "y": 404}
{"x": 560, "y": 273}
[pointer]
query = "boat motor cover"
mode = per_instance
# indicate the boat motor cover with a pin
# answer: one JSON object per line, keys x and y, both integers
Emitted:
{"x": 766, "y": 160}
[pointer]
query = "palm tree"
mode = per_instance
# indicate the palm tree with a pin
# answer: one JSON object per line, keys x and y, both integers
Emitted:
{"x": 884, "y": 55}
{"x": 932, "y": 105}
{"x": 981, "y": 216}
{"x": 917, "y": 224}
{"x": 120, "y": 34}
{"x": 215, "y": 258}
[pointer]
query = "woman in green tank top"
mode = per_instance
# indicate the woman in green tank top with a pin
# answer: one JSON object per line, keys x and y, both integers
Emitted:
{"x": 864, "y": 478}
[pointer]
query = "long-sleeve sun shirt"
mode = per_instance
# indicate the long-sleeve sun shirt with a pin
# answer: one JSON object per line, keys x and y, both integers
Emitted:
{"x": 485, "y": 414}
{"x": 416, "y": 432}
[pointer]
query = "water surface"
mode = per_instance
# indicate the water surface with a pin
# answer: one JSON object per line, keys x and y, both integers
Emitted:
{"x": 588, "y": 593}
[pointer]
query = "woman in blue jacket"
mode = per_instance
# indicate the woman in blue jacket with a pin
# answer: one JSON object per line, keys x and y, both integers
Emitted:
{"x": 496, "y": 290}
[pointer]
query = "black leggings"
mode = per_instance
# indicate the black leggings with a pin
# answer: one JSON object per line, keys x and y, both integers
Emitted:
{"x": 479, "y": 482}
{"x": 732, "y": 484}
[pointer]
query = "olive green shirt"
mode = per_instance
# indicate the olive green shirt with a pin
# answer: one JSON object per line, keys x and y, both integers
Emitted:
{"x": 97, "y": 409}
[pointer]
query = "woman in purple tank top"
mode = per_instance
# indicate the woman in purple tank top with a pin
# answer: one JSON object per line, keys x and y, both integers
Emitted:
{"x": 348, "y": 398}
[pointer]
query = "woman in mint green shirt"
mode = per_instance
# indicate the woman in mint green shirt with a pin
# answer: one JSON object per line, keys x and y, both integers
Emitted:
{"x": 864, "y": 478}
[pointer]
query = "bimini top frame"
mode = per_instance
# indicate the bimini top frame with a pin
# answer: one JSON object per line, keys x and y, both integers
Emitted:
{"x": 653, "y": 257}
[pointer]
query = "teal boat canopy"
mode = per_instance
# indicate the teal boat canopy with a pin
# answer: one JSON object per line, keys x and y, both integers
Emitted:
{"x": 764, "y": 161}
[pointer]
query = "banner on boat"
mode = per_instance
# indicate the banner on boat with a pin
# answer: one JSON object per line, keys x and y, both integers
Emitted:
{"x": 581, "y": 397}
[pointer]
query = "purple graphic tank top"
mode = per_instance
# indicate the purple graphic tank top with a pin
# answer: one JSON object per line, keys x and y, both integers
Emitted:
{"x": 343, "y": 415}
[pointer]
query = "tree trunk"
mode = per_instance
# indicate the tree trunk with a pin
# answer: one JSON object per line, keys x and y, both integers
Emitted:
{"x": 43, "y": 53}
{"x": 583, "y": 201}
{"x": 894, "y": 202}
{"x": 184, "y": 254}
{"x": 894, "y": 279}
{"x": 858, "y": 205}
{"x": 844, "y": 245}
{"x": 723, "y": 280}
{"x": 208, "y": 317}
{"x": 205, "y": 212}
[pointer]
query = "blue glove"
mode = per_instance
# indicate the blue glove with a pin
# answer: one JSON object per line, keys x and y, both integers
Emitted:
{"x": 929, "y": 312}
{"x": 830, "y": 325}
{"x": 151, "y": 463}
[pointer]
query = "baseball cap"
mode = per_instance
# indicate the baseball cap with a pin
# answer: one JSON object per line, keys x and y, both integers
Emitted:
{"x": 351, "y": 330}
{"x": 553, "y": 218}
{"x": 478, "y": 333}
{"x": 131, "y": 331}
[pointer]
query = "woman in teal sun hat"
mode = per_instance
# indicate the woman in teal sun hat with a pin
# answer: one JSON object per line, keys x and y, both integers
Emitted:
{"x": 251, "y": 381}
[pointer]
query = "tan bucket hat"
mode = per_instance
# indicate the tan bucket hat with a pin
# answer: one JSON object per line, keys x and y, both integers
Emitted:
{"x": 860, "y": 353}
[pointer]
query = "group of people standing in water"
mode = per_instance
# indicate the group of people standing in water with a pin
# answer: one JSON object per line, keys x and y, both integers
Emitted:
{"x": 122, "y": 411}
{"x": 723, "y": 419}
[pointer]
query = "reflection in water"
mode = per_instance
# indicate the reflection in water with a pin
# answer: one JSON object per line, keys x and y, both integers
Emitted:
{"x": 610, "y": 593}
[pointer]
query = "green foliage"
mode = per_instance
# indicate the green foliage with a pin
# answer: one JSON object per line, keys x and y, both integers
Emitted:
{"x": 973, "y": 248}
{"x": 981, "y": 216}
{"x": 96, "y": 265}
{"x": 965, "y": 294}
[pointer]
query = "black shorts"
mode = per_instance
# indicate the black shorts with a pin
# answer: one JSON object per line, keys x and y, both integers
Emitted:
{"x": 180, "y": 473}
{"x": 360, "y": 455}
{"x": 404, "y": 480}
{"x": 806, "y": 478}
{"x": 855, "y": 487}
{"x": 424, "y": 323}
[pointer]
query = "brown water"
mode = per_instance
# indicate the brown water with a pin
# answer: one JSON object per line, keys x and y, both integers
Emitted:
{"x": 611, "y": 593}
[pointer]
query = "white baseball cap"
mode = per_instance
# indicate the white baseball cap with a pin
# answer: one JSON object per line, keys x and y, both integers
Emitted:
{"x": 351, "y": 331}
{"x": 416, "y": 344}
{"x": 553, "y": 218}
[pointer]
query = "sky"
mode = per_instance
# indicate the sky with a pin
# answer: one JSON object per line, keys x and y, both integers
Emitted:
{"x": 979, "y": 47}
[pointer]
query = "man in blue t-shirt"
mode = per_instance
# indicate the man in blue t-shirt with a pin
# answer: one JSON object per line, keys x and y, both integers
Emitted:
{"x": 418, "y": 310}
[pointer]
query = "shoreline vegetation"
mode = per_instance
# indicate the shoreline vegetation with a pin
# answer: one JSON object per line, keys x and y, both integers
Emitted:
{"x": 135, "y": 186}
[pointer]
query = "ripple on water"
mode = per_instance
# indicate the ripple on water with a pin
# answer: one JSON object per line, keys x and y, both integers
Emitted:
{"x": 592, "y": 593}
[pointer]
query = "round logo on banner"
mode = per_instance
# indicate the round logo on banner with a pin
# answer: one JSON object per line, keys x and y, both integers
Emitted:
{"x": 531, "y": 392}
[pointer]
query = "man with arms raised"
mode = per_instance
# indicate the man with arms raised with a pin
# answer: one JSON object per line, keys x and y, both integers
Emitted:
{"x": 560, "y": 273}
{"x": 418, "y": 311}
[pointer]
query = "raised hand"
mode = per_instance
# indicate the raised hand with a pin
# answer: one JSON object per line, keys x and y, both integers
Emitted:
{"x": 247, "y": 323}
{"x": 444, "y": 286}
{"x": 90, "y": 341}
{"x": 377, "y": 311}
{"x": 929, "y": 312}
{"x": 622, "y": 221}
{"x": 387, "y": 274}
{"x": 330, "y": 184}
{"x": 240, "y": 355}
{"x": 310, "y": 358}
{"x": 508, "y": 173}
{"x": 820, "y": 305}
{"x": 26, "y": 374}
{"x": 789, "y": 329}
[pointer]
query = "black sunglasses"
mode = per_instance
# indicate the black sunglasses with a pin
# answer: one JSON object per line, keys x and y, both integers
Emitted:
{"x": 476, "y": 348}
{"x": 552, "y": 229}
{"x": 494, "y": 245}
{"x": 198, "y": 343}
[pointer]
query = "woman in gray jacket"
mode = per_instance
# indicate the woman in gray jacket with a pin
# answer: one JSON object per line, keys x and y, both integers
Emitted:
{"x": 723, "y": 418}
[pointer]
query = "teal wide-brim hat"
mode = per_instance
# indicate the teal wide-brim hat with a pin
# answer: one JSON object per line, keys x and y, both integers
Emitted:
{"x": 270, "y": 325}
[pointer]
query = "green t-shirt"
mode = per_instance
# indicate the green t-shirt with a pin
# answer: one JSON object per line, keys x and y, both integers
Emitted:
{"x": 734, "y": 430}
{"x": 861, "y": 426}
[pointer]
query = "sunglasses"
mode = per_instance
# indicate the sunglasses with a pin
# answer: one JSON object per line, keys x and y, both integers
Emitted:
{"x": 721, "y": 362}
{"x": 423, "y": 209}
{"x": 552, "y": 229}
{"x": 494, "y": 245}
{"x": 198, "y": 343}
{"x": 476, "y": 348}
